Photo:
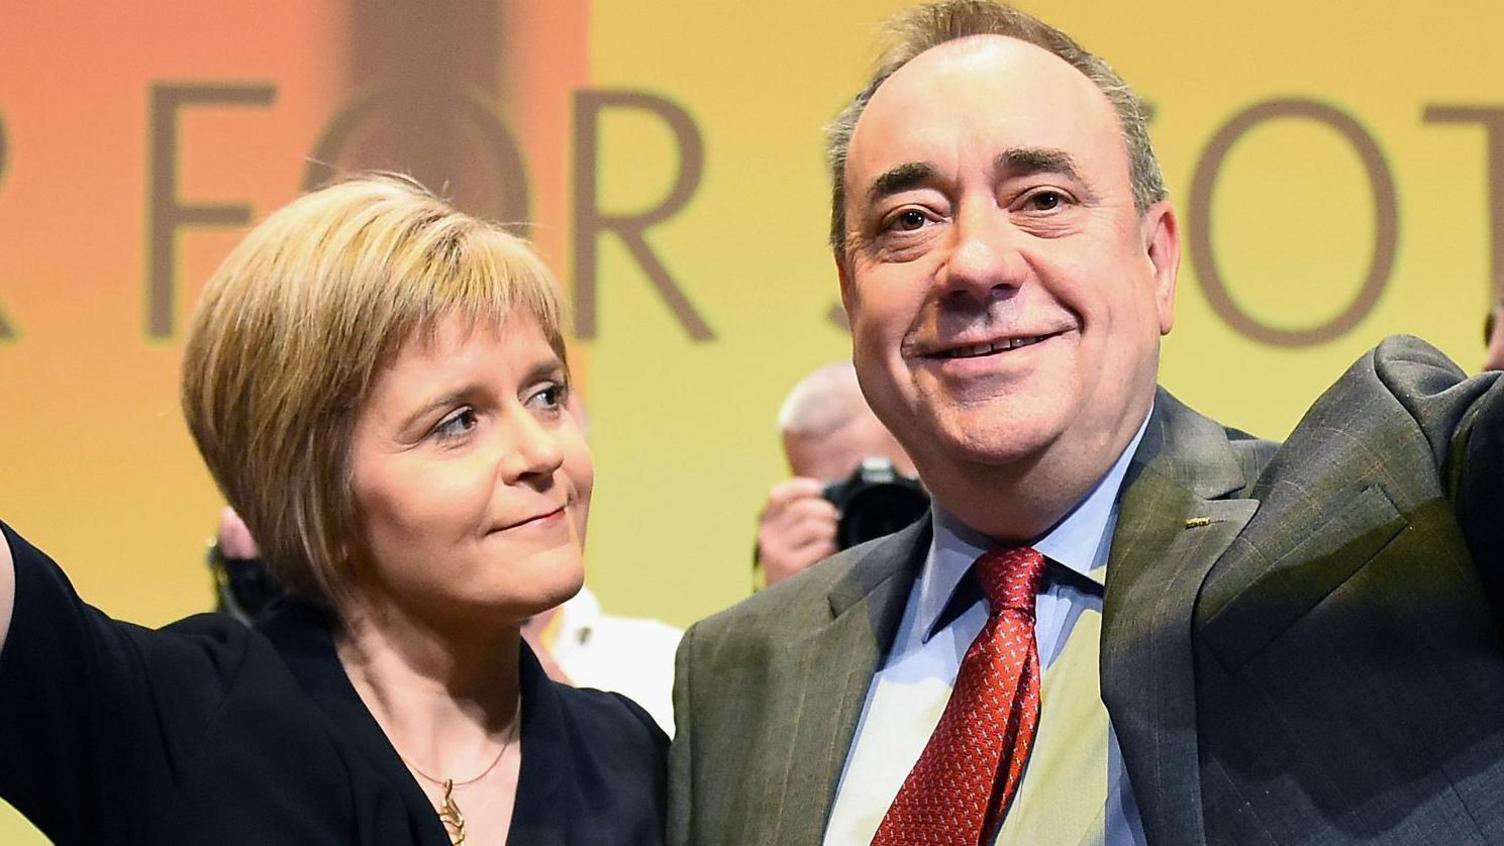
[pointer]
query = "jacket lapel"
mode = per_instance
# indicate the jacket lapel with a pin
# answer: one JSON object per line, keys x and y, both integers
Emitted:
{"x": 1175, "y": 520}
{"x": 830, "y": 671}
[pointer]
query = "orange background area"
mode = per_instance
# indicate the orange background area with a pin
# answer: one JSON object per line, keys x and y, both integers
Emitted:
{"x": 98, "y": 467}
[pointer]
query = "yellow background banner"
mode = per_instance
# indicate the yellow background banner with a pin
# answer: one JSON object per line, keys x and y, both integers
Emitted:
{"x": 1334, "y": 164}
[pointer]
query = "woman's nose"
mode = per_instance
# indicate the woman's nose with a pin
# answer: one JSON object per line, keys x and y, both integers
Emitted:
{"x": 534, "y": 450}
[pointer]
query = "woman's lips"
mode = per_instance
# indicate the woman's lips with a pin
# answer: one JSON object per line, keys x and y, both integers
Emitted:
{"x": 536, "y": 520}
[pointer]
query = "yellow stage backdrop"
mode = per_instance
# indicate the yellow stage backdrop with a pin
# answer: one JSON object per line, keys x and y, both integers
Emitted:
{"x": 1339, "y": 168}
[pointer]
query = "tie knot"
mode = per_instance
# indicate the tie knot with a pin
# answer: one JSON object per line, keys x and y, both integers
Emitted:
{"x": 1010, "y": 577}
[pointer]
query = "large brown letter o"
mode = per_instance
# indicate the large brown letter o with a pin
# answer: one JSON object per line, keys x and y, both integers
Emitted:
{"x": 461, "y": 106}
{"x": 1385, "y": 220}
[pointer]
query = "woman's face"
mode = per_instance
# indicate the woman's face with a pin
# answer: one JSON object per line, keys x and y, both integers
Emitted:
{"x": 471, "y": 482}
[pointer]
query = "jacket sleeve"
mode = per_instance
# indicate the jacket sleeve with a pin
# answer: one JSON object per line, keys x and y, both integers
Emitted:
{"x": 1479, "y": 486}
{"x": 1463, "y": 421}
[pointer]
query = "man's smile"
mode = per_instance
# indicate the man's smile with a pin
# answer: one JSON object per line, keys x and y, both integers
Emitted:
{"x": 939, "y": 351}
{"x": 1000, "y": 345}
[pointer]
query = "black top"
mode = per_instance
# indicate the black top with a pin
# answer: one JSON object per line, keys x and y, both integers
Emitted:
{"x": 206, "y": 732}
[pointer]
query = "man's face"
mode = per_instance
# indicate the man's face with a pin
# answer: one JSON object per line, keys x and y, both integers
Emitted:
{"x": 1007, "y": 300}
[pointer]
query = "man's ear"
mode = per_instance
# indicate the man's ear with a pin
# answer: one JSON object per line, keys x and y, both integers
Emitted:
{"x": 843, "y": 273}
{"x": 1160, "y": 230}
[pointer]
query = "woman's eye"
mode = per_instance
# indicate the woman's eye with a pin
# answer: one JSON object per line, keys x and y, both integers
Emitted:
{"x": 456, "y": 425}
{"x": 549, "y": 397}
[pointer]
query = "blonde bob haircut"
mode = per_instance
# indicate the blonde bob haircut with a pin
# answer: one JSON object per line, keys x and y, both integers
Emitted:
{"x": 295, "y": 325}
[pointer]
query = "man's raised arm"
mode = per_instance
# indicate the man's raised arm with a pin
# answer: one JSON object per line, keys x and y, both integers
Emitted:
{"x": 1480, "y": 490}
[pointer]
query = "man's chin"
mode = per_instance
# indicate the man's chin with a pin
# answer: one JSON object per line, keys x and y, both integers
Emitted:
{"x": 990, "y": 435}
{"x": 999, "y": 447}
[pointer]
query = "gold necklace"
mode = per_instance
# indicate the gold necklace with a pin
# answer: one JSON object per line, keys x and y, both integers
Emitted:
{"x": 449, "y": 810}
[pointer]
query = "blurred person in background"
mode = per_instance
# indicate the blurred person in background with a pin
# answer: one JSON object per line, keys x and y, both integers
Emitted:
{"x": 377, "y": 383}
{"x": 581, "y": 644}
{"x": 243, "y": 587}
{"x": 828, "y": 430}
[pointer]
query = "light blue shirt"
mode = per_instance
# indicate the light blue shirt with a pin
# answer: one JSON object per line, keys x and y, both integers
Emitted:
{"x": 934, "y": 635}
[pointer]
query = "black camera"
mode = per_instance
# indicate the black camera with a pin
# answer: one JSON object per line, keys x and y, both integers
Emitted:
{"x": 243, "y": 587}
{"x": 875, "y": 500}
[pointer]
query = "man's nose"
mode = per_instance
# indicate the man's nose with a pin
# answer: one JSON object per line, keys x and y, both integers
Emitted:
{"x": 533, "y": 450}
{"x": 984, "y": 261}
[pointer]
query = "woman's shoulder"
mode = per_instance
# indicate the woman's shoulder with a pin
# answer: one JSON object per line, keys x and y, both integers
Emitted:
{"x": 178, "y": 676}
{"x": 598, "y": 728}
{"x": 601, "y": 711}
{"x": 594, "y": 765}
{"x": 102, "y": 722}
{"x": 51, "y": 619}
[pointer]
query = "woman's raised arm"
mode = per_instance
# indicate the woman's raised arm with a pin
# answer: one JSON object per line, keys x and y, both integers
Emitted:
{"x": 7, "y": 588}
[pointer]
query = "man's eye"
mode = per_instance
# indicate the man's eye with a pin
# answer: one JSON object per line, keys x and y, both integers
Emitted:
{"x": 1046, "y": 201}
{"x": 456, "y": 425}
{"x": 909, "y": 220}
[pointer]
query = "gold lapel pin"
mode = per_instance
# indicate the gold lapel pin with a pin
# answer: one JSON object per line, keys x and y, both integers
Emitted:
{"x": 1198, "y": 522}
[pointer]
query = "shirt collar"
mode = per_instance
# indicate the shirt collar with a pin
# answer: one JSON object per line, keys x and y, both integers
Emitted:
{"x": 1080, "y": 542}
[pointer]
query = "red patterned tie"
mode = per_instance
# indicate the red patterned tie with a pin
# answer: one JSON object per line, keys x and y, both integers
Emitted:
{"x": 969, "y": 770}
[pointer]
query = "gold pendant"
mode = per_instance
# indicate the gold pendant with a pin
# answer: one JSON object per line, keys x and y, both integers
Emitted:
{"x": 450, "y": 816}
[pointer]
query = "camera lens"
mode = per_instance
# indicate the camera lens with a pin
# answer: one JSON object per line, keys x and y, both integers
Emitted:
{"x": 878, "y": 510}
{"x": 875, "y": 500}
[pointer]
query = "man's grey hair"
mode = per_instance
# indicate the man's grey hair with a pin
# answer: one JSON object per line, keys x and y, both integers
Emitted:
{"x": 916, "y": 30}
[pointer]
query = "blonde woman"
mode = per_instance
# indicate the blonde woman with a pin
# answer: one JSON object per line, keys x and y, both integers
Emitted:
{"x": 377, "y": 382}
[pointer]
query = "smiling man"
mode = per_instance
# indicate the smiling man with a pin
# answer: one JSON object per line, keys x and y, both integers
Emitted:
{"x": 1123, "y": 622}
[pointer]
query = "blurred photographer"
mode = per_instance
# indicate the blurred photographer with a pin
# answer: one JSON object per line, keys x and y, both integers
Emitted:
{"x": 828, "y": 433}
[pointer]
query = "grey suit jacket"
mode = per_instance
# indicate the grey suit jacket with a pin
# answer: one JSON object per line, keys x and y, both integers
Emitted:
{"x": 1298, "y": 644}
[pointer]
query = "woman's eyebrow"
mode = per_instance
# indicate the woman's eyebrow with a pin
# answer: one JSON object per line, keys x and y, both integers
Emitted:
{"x": 446, "y": 400}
